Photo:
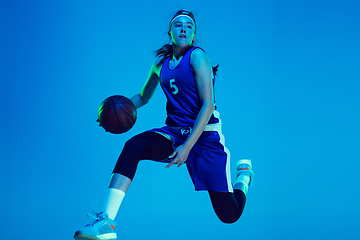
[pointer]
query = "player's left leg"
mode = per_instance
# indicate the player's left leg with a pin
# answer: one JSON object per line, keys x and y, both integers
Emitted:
{"x": 229, "y": 206}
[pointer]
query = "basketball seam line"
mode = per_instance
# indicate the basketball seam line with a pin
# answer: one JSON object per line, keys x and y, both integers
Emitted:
{"x": 127, "y": 112}
{"x": 117, "y": 121}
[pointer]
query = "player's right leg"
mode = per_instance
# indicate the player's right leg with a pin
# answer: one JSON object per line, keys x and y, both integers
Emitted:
{"x": 147, "y": 145}
{"x": 229, "y": 206}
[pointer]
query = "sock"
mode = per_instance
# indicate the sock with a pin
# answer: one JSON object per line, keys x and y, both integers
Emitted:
{"x": 242, "y": 183}
{"x": 112, "y": 202}
{"x": 243, "y": 178}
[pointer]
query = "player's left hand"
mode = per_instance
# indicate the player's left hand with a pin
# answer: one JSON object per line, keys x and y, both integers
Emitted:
{"x": 180, "y": 156}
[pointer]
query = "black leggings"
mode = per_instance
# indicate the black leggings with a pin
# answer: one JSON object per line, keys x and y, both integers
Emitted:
{"x": 152, "y": 146}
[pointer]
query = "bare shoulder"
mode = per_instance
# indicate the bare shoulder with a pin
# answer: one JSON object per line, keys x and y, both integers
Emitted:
{"x": 199, "y": 58}
{"x": 198, "y": 53}
{"x": 156, "y": 67}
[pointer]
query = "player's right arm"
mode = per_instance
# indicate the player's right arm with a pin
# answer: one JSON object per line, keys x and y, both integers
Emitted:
{"x": 149, "y": 87}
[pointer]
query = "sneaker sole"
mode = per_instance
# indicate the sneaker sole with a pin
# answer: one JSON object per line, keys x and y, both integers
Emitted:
{"x": 80, "y": 236}
{"x": 108, "y": 236}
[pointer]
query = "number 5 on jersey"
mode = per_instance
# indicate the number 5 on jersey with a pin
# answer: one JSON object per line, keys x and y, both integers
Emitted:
{"x": 172, "y": 85}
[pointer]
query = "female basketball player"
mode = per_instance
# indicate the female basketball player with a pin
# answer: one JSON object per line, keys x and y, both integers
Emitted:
{"x": 192, "y": 134}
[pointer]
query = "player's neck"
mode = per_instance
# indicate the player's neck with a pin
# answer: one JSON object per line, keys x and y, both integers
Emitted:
{"x": 179, "y": 52}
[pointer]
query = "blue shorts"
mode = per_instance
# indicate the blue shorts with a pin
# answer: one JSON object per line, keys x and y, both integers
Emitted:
{"x": 208, "y": 162}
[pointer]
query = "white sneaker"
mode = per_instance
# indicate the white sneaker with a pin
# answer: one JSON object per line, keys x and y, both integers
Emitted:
{"x": 103, "y": 228}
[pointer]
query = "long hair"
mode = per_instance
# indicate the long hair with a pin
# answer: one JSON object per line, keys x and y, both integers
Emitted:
{"x": 166, "y": 50}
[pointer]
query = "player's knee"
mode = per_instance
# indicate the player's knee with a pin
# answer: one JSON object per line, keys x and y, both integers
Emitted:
{"x": 133, "y": 145}
{"x": 130, "y": 145}
{"x": 229, "y": 220}
{"x": 129, "y": 158}
{"x": 228, "y": 217}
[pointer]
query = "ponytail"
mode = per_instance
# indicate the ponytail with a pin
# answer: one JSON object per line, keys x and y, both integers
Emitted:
{"x": 215, "y": 69}
{"x": 164, "y": 52}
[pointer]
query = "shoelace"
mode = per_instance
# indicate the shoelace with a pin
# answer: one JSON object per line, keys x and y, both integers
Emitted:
{"x": 94, "y": 216}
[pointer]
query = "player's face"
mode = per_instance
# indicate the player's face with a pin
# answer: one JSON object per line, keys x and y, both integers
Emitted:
{"x": 182, "y": 32}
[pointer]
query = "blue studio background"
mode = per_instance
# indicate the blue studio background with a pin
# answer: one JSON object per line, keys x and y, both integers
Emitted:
{"x": 287, "y": 90}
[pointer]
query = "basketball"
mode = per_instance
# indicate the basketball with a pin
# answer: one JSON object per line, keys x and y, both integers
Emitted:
{"x": 117, "y": 114}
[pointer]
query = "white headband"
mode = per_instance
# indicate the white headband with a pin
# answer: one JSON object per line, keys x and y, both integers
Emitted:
{"x": 182, "y": 15}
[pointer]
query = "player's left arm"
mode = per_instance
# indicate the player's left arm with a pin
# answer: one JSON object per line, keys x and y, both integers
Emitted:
{"x": 204, "y": 80}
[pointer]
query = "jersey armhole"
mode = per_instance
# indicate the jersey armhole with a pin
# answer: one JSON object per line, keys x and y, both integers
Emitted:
{"x": 194, "y": 48}
{"x": 192, "y": 69}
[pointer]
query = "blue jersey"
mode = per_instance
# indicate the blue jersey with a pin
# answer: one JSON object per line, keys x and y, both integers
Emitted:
{"x": 183, "y": 103}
